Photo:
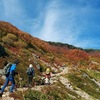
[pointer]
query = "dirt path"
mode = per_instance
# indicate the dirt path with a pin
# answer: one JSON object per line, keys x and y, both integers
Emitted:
{"x": 5, "y": 96}
{"x": 81, "y": 93}
{"x": 66, "y": 82}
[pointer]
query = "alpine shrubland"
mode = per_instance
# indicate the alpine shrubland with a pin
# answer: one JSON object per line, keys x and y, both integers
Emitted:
{"x": 82, "y": 81}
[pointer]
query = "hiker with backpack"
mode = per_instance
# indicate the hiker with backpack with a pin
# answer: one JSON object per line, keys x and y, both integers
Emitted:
{"x": 30, "y": 73}
{"x": 10, "y": 76}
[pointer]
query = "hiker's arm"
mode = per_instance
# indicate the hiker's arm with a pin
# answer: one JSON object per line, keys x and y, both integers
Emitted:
{"x": 27, "y": 71}
{"x": 13, "y": 73}
{"x": 12, "y": 70}
{"x": 33, "y": 73}
{"x": 16, "y": 73}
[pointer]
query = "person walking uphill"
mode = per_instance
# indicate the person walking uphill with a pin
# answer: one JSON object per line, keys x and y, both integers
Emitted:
{"x": 30, "y": 73}
{"x": 10, "y": 77}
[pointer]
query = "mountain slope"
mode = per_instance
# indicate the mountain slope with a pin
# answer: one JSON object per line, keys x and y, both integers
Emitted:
{"x": 83, "y": 67}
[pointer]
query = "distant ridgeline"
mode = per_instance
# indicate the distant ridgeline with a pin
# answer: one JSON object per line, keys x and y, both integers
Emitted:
{"x": 63, "y": 45}
{"x": 70, "y": 46}
{"x": 2, "y": 51}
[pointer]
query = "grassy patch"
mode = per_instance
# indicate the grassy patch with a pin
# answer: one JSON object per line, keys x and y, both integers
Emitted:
{"x": 85, "y": 84}
{"x": 94, "y": 74}
{"x": 57, "y": 93}
{"x": 69, "y": 92}
{"x": 35, "y": 95}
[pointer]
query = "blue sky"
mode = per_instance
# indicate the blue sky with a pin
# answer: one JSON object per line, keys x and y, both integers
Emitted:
{"x": 76, "y": 22}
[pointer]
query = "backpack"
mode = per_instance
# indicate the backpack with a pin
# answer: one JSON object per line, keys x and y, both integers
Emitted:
{"x": 30, "y": 71}
{"x": 6, "y": 69}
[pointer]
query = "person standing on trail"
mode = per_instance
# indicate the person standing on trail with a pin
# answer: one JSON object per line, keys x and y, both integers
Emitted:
{"x": 47, "y": 76}
{"x": 30, "y": 73}
{"x": 10, "y": 77}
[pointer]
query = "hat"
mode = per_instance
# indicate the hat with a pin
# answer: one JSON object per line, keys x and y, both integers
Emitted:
{"x": 47, "y": 71}
{"x": 16, "y": 61}
{"x": 30, "y": 65}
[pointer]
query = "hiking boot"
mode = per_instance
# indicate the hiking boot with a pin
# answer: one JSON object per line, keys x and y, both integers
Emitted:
{"x": 11, "y": 94}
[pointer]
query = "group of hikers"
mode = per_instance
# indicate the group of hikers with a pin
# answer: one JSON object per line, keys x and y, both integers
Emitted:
{"x": 10, "y": 71}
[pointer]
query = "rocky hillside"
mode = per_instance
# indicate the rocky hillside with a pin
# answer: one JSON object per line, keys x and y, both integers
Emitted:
{"x": 75, "y": 71}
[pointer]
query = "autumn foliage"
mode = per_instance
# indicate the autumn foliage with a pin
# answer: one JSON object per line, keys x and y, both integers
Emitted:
{"x": 76, "y": 56}
{"x": 21, "y": 43}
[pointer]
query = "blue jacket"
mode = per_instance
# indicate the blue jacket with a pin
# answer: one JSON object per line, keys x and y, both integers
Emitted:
{"x": 12, "y": 70}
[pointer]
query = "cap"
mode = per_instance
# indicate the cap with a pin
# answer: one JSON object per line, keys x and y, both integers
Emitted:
{"x": 17, "y": 61}
{"x": 30, "y": 65}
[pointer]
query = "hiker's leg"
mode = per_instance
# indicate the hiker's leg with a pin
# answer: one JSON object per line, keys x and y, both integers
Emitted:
{"x": 49, "y": 82}
{"x": 28, "y": 80}
{"x": 5, "y": 84}
{"x": 31, "y": 78}
{"x": 13, "y": 84}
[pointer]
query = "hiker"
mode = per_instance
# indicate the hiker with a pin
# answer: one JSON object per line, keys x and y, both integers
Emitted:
{"x": 30, "y": 73}
{"x": 10, "y": 77}
{"x": 47, "y": 76}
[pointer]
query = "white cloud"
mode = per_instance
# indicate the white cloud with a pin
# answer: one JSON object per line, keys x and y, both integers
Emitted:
{"x": 59, "y": 25}
{"x": 48, "y": 31}
{"x": 57, "y": 20}
{"x": 67, "y": 24}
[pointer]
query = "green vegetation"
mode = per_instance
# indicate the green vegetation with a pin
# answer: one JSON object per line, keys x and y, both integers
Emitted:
{"x": 83, "y": 82}
{"x": 53, "y": 92}
{"x": 35, "y": 95}
{"x": 94, "y": 74}
{"x": 48, "y": 93}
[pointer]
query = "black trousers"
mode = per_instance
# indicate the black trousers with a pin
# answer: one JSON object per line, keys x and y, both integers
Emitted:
{"x": 30, "y": 78}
